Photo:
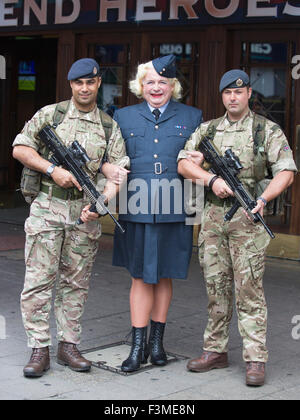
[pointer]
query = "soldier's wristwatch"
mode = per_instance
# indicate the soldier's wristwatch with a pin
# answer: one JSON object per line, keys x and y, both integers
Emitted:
{"x": 50, "y": 170}
{"x": 262, "y": 199}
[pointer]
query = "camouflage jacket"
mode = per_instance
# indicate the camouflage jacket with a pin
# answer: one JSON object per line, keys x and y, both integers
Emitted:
{"x": 239, "y": 137}
{"x": 86, "y": 128}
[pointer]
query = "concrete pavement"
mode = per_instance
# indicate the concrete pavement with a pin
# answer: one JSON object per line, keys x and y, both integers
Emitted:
{"x": 107, "y": 321}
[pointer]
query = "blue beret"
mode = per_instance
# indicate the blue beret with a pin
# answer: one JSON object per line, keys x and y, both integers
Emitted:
{"x": 165, "y": 66}
{"x": 85, "y": 68}
{"x": 234, "y": 79}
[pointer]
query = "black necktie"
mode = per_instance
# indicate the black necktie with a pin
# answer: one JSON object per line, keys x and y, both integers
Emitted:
{"x": 156, "y": 112}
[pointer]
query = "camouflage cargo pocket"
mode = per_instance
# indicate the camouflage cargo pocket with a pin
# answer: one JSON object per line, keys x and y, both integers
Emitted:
{"x": 257, "y": 266}
{"x": 256, "y": 249}
{"x": 29, "y": 247}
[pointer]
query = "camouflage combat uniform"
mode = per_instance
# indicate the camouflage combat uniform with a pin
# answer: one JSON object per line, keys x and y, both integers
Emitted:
{"x": 234, "y": 252}
{"x": 57, "y": 250}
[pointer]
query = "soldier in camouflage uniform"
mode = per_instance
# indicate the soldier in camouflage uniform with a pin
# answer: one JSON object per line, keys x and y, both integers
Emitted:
{"x": 58, "y": 251}
{"x": 233, "y": 252}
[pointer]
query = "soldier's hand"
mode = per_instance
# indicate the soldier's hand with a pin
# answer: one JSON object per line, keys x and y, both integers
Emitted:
{"x": 260, "y": 205}
{"x": 87, "y": 215}
{"x": 221, "y": 189}
{"x": 196, "y": 157}
{"x": 64, "y": 178}
{"x": 258, "y": 209}
{"x": 114, "y": 173}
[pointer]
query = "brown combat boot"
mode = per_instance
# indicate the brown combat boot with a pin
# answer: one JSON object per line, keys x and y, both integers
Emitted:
{"x": 255, "y": 373}
{"x": 38, "y": 364}
{"x": 69, "y": 355}
{"x": 207, "y": 361}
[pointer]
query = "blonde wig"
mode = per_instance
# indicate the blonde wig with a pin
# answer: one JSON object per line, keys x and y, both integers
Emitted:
{"x": 136, "y": 85}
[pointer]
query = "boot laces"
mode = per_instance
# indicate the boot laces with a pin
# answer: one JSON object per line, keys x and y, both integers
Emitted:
{"x": 37, "y": 355}
{"x": 72, "y": 350}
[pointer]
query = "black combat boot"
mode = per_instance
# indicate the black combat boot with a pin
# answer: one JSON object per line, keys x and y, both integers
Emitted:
{"x": 139, "y": 352}
{"x": 157, "y": 352}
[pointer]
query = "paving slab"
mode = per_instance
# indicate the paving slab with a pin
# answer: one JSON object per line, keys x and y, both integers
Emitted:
{"x": 106, "y": 320}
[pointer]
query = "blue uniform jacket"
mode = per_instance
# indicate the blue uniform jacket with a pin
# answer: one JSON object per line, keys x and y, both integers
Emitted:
{"x": 155, "y": 189}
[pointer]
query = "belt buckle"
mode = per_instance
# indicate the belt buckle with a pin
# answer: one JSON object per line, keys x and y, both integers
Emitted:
{"x": 157, "y": 168}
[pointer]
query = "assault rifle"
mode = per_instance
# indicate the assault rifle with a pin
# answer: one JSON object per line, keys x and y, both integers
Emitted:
{"x": 228, "y": 167}
{"x": 73, "y": 159}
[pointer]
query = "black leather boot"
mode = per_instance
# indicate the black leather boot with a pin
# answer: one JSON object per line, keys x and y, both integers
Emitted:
{"x": 139, "y": 352}
{"x": 157, "y": 352}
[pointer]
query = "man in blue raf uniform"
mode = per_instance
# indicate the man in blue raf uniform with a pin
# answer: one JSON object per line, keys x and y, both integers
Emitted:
{"x": 157, "y": 245}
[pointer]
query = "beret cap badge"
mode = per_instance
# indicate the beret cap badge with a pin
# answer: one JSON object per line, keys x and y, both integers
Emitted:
{"x": 85, "y": 68}
{"x": 233, "y": 79}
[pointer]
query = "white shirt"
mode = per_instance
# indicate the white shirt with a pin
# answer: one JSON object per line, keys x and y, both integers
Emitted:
{"x": 162, "y": 108}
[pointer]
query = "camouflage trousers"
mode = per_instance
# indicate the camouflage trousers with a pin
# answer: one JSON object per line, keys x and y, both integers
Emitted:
{"x": 57, "y": 252}
{"x": 232, "y": 255}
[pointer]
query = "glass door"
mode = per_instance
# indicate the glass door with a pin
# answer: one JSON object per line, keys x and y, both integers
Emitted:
{"x": 268, "y": 65}
{"x": 113, "y": 61}
{"x": 115, "y": 54}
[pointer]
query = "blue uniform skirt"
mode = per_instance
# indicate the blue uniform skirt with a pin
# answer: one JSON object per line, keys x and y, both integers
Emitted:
{"x": 154, "y": 251}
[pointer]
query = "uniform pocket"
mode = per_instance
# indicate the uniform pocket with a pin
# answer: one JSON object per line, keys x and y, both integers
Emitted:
{"x": 181, "y": 132}
{"x": 132, "y": 137}
{"x": 256, "y": 248}
{"x": 257, "y": 266}
{"x": 259, "y": 242}
{"x": 29, "y": 247}
{"x": 94, "y": 143}
{"x": 177, "y": 138}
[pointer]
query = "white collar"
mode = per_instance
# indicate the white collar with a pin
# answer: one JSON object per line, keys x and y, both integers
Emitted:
{"x": 162, "y": 108}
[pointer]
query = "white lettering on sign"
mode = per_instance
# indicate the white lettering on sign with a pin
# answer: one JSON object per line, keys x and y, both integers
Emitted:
{"x": 52, "y": 12}
{"x": 60, "y": 19}
{"x": 221, "y": 13}
{"x": 40, "y": 12}
{"x": 6, "y": 11}
{"x": 296, "y": 69}
{"x": 105, "y": 5}
{"x": 187, "y": 6}
{"x": 261, "y": 48}
{"x": 142, "y": 15}
{"x": 291, "y": 10}
{"x": 254, "y": 10}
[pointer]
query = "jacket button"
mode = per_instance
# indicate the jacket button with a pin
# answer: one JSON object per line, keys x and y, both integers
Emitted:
{"x": 156, "y": 141}
{"x": 156, "y": 127}
{"x": 155, "y": 156}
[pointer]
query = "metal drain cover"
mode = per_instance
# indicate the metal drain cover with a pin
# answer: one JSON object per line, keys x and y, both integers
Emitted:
{"x": 111, "y": 356}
